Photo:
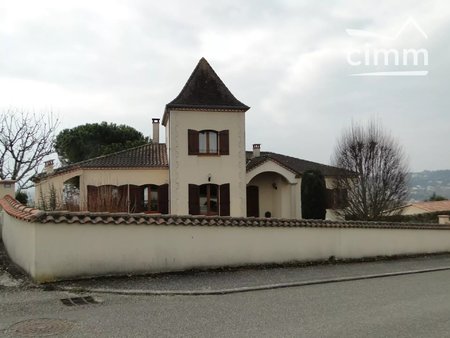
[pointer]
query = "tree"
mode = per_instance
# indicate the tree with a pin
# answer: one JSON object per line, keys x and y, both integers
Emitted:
{"x": 25, "y": 140}
{"x": 92, "y": 140}
{"x": 435, "y": 197}
{"x": 379, "y": 183}
{"x": 313, "y": 192}
{"x": 22, "y": 197}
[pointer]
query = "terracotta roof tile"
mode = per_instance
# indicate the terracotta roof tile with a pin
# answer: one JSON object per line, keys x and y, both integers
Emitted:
{"x": 151, "y": 155}
{"x": 17, "y": 210}
{"x": 293, "y": 164}
{"x": 432, "y": 206}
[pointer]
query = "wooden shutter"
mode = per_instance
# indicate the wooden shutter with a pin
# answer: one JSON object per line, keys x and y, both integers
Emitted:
{"x": 252, "y": 201}
{"x": 163, "y": 198}
{"x": 122, "y": 201}
{"x": 330, "y": 194}
{"x": 224, "y": 200}
{"x": 192, "y": 142}
{"x": 92, "y": 198}
{"x": 342, "y": 198}
{"x": 194, "y": 199}
{"x": 224, "y": 142}
{"x": 136, "y": 198}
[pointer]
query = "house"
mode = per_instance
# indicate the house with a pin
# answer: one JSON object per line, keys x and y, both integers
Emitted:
{"x": 203, "y": 167}
{"x": 426, "y": 207}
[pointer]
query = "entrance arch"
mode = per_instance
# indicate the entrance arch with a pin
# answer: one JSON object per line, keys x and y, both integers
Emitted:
{"x": 273, "y": 190}
{"x": 270, "y": 193}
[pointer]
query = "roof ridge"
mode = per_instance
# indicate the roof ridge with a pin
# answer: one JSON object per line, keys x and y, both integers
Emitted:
{"x": 294, "y": 164}
{"x": 114, "y": 153}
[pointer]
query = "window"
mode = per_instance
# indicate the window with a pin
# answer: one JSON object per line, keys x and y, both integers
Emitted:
{"x": 337, "y": 198}
{"x": 150, "y": 198}
{"x": 209, "y": 199}
{"x": 208, "y": 142}
{"x": 155, "y": 198}
{"x": 129, "y": 198}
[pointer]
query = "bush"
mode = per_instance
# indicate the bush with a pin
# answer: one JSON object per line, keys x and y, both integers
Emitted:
{"x": 22, "y": 197}
{"x": 313, "y": 195}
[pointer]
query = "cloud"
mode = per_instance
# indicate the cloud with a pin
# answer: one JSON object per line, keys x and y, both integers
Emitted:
{"x": 122, "y": 61}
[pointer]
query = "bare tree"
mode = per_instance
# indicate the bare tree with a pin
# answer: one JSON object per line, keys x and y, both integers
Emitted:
{"x": 379, "y": 183}
{"x": 25, "y": 140}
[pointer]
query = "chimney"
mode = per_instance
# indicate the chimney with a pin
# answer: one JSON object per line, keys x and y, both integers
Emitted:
{"x": 7, "y": 187}
{"x": 48, "y": 166}
{"x": 155, "y": 123}
{"x": 256, "y": 150}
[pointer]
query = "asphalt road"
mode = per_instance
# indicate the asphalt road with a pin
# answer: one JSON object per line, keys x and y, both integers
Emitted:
{"x": 415, "y": 305}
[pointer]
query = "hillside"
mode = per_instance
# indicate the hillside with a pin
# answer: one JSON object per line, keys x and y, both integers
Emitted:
{"x": 424, "y": 184}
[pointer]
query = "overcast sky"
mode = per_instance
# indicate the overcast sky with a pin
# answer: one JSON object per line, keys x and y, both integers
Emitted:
{"x": 122, "y": 61}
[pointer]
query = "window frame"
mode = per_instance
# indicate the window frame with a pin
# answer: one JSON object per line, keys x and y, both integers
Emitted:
{"x": 221, "y": 142}
{"x": 147, "y": 206}
{"x": 208, "y": 199}
{"x": 208, "y": 133}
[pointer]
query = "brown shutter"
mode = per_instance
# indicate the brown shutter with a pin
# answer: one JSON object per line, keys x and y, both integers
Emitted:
{"x": 136, "y": 199}
{"x": 225, "y": 200}
{"x": 194, "y": 199}
{"x": 192, "y": 142}
{"x": 224, "y": 143}
{"x": 163, "y": 198}
{"x": 329, "y": 195}
{"x": 343, "y": 198}
{"x": 92, "y": 198}
{"x": 123, "y": 198}
{"x": 252, "y": 201}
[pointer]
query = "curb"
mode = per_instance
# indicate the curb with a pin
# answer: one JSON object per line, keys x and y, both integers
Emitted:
{"x": 136, "y": 292}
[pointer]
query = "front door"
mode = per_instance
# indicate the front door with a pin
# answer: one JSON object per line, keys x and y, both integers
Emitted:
{"x": 252, "y": 201}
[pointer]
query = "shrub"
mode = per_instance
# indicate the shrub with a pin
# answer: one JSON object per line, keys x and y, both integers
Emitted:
{"x": 313, "y": 195}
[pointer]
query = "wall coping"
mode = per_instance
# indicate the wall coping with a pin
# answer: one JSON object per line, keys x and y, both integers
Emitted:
{"x": 15, "y": 209}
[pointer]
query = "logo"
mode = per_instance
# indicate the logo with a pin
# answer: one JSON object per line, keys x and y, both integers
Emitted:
{"x": 380, "y": 55}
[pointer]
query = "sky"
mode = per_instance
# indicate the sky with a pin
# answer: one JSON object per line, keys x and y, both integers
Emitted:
{"x": 293, "y": 62}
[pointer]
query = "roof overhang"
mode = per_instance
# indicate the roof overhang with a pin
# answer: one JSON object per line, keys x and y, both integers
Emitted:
{"x": 170, "y": 108}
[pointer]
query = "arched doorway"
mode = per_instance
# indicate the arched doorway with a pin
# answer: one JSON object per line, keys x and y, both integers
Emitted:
{"x": 269, "y": 194}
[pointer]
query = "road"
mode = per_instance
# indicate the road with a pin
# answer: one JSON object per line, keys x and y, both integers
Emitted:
{"x": 416, "y": 305}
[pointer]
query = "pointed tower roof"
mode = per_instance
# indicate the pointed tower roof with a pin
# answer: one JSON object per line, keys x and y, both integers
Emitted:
{"x": 204, "y": 90}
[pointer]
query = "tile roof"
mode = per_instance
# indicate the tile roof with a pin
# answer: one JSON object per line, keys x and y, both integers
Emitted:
{"x": 151, "y": 155}
{"x": 294, "y": 164}
{"x": 205, "y": 90}
{"x": 433, "y": 206}
{"x": 17, "y": 210}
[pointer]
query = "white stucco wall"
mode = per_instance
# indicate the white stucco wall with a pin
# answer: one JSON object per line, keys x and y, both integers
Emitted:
{"x": 19, "y": 238}
{"x": 62, "y": 251}
{"x": 192, "y": 169}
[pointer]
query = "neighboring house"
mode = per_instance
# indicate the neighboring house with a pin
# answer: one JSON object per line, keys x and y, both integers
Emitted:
{"x": 202, "y": 168}
{"x": 425, "y": 207}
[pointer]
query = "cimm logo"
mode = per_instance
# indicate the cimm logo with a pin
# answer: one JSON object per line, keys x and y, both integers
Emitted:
{"x": 392, "y": 61}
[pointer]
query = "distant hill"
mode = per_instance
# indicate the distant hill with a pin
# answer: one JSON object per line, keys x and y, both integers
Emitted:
{"x": 424, "y": 184}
